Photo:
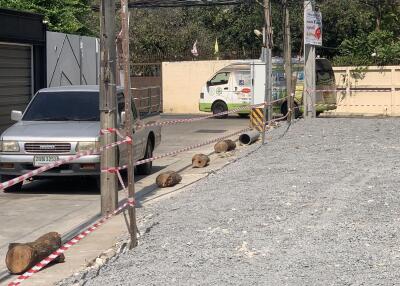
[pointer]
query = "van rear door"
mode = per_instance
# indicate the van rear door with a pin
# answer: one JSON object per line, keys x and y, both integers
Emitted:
{"x": 243, "y": 87}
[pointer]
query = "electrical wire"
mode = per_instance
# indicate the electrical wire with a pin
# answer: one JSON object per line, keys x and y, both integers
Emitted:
{"x": 141, "y": 4}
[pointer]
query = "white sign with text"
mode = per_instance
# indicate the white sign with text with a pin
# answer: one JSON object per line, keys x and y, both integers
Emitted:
{"x": 313, "y": 28}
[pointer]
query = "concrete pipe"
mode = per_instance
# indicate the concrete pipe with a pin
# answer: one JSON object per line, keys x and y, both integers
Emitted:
{"x": 249, "y": 137}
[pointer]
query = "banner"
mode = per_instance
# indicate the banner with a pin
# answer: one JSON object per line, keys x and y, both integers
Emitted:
{"x": 313, "y": 28}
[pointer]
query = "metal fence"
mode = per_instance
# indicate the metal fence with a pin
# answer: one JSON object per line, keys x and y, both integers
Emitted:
{"x": 148, "y": 99}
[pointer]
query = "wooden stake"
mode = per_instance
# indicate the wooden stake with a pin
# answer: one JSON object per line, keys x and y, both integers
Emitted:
{"x": 128, "y": 122}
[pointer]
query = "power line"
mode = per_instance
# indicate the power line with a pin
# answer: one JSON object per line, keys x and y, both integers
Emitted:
{"x": 182, "y": 3}
{"x": 141, "y": 4}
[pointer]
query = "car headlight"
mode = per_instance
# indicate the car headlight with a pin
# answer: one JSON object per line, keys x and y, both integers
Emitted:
{"x": 9, "y": 146}
{"x": 86, "y": 146}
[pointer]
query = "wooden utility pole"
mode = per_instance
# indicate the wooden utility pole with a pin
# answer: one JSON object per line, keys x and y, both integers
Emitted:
{"x": 309, "y": 68}
{"x": 268, "y": 64}
{"x": 128, "y": 121}
{"x": 288, "y": 62}
{"x": 108, "y": 116}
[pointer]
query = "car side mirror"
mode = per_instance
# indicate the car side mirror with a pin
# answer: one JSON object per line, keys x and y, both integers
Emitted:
{"x": 16, "y": 115}
{"x": 209, "y": 83}
{"x": 123, "y": 117}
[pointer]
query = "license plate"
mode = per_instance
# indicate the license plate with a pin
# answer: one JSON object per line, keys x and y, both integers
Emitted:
{"x": 41, "y": 160}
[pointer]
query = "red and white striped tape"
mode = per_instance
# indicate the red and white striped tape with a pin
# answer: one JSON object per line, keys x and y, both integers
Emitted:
{"x": 189, "y": 120}
{"x": 356, "y": 105}
{"x": 68, "y": 245}
{"x": 130, "y": 202}
{"x": 60, "y": 162}
{"x": 348, "y": 90}
{"x": 115, "y": 169}
{"x": 111, "y": 130}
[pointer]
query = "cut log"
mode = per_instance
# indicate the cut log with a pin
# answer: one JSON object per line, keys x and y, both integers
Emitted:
{"x": 23, "y": 256}
{"x": 200, "y": 161}
{"x": 168, "y": 179}
{"x": 224, "y": 146}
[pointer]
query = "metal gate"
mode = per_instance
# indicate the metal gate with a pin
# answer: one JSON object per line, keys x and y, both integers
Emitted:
{"x": 15, "y": 80}
{"x": 71, "y": 60}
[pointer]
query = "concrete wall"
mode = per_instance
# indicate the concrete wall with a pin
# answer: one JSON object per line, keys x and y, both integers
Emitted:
{"x": 182, "y": 82}
{"x": 384, "y": 102}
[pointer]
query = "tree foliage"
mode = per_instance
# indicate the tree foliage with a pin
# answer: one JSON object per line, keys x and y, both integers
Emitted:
{"x": 353, "y": 30}
{"x": 68, "y": 16}
{"x": 379, "y": 47}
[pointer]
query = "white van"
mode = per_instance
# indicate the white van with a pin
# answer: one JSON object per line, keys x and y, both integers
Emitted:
{"x": 242, "y": 84}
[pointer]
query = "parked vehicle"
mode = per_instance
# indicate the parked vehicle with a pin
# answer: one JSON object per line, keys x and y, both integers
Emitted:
{"x": 241, "y": 84}
{"x": 63, "y": 121}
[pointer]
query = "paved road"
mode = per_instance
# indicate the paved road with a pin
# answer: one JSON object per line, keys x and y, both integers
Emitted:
{"x": 60, "y": 205}
{"x": 319, "y": 206}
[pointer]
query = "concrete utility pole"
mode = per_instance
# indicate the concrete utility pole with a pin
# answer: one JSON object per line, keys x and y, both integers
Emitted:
{"x": 128, "y": 121}
{"x": 288, "y": 61}
{"x": 268, "y": 63}
{"x": 108, "y": 116}
{"x": 309, "y": 68}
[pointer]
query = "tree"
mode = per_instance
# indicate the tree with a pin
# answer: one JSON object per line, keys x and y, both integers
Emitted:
{"x": 383, "y": 11}
{"x": 379, "y": 47}
{"x": 67, "y": 16}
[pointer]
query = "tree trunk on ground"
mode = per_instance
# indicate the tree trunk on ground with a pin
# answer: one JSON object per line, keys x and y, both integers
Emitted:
{"x": 23, "y": 256}
{"x": 168, "y": 179}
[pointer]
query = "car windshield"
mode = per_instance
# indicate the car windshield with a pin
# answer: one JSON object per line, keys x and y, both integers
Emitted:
{"x": 64, "y": 106}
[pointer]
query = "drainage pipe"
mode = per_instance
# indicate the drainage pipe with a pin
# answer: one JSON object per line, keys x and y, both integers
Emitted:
{"x": 249, "y": 137}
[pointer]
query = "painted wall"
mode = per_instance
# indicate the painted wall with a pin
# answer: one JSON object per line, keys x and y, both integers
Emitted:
{"x": 383, "y": 100}
{"x": 182, "y": 83}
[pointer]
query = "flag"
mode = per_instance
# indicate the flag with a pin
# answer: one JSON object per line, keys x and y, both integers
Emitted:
{"x": 194, "y": 49}
{"x": 216, "y": 48}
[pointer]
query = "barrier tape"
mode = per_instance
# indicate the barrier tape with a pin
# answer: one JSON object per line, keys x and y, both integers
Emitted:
{"x": 189, "y": 120}
{"x": 121, "y": 181}
{"x": 60, "y": 162}
{"x": 130, "y": 202}
{"x": 68, "y": 245}
{"x": 348, "y": 90}
{"x": 111, "y": 130}
{"x": 354, "y": 105}
{"x": 47, "y": 167}
{"x": 115, "y": 169}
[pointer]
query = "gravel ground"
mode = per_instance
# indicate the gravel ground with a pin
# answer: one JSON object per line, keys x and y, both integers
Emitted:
{"x": 318, "y": 206}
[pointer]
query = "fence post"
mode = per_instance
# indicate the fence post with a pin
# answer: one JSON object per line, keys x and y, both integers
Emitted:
{"x": 129, "y": 123}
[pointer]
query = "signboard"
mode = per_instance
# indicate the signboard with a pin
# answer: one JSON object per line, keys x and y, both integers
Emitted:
{"x": 313, "y": 28}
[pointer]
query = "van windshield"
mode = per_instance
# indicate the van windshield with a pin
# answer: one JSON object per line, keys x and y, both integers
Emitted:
{"x": 220, "y": 78}
{"x": 64, "y": 106}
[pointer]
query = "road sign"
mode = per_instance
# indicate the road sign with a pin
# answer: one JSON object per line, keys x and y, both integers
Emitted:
{"x": 313, "y": 28}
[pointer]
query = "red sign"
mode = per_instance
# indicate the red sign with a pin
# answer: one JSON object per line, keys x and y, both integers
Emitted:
{"x": 318, "y": 33}
{"x": 246, "y": 90}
